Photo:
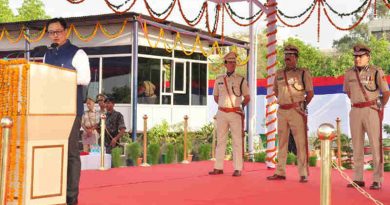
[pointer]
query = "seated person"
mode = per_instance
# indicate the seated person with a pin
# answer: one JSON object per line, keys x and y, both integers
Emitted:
{"x": 115, "y": 125}
{"x": 146, "y": 93}
{"x": 89, "y": 123}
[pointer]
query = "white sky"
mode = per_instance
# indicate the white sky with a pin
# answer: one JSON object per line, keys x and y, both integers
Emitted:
{"x": 306, "y": 32}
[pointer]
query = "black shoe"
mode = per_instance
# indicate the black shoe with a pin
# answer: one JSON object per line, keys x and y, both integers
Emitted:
{"x": 216, "y": 172}
{"x": 236, "y": 173}
{"x": 303, "y": 179}
{"x": 359, "y": 183}
{"x": 375, "y": 186}
{"x": 74, "y": 202}
{"x": 276, "y": 177}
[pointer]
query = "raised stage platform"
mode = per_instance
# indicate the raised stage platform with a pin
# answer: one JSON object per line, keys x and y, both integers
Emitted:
{"x": 189, "y": 184}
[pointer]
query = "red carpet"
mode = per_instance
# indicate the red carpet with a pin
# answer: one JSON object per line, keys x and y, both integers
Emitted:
{"x": 191, "y": 185}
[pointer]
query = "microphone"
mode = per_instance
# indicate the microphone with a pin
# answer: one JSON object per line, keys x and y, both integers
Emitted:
{"x": 53, "y": 45}
{"x": 36, "y": 49}
{"x": 39, "y": 50}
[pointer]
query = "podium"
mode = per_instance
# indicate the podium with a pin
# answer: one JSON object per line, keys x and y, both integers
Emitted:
{"x": 43, "y": 113}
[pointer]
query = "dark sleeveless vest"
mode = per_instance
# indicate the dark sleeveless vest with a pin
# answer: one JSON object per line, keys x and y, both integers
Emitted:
{"x": 63, "y": 57}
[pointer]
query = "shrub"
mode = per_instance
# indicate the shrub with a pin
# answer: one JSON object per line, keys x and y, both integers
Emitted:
{"x": 204, "y": 151}
{"x": 347, "y": 165}
{"x": 313, "y": 161}
{"x": 387, "y": 167}
{"x": 158, "y": 133}
{"x": 153, "y": 153}
{"x": 260, "y": 157}
{"x": 116, "y": 156}
{"x": 180, "y": 152}
{"x": 170, "y": 155}
{"x": 133, "y": 151}
{"x": 291, "y": 158}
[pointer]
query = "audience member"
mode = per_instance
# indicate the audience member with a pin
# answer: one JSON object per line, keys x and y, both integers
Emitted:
{"x": 89, "y": 123}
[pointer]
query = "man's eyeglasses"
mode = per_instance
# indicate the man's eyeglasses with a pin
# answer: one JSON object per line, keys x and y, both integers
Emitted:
{"x": 231, "y": 62}
{"x": 55, "y": 33}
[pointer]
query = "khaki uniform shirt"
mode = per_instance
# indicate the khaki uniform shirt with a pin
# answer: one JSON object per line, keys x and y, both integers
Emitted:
{"x": 236, "y": 90}
{"x": 149, "y": 88}
{"x": 297, "y": 86}
{"x": 367, "y": 78}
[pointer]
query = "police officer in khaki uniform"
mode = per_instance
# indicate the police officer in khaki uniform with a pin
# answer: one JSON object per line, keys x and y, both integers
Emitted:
{"x": 363, "y": 84}
{"x": 229, "y": 89}
{"x": 294, "y": 89}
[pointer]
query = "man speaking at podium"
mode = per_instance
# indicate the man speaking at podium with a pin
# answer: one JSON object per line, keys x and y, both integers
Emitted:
{"x": 64, "y": 54}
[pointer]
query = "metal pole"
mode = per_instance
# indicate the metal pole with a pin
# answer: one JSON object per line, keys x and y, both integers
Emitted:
{"x": 214, "y": 139}
{"x": 134, "y": 65}
{"x": 27, "y": 45}
{"x": 145, "y": 164}
{"x": 326, "y": 134}
{"x": 338, "y": 121}
{"x": 325, "y": 172}
{"x": 185, "y": 161}
{"x": 6, "y": 124}
{"x": 252, "y": 76}
{"x": 102, "y": 131}
{"x": 270, "y": 115}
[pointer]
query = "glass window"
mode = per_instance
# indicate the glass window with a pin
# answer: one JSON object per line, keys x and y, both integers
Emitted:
{"x": 194, "y": 56}
{"x": 148, "y": 81}
{"x": 166, "y": 85}
{"x": 167, "y": 76}
{"x": 154, "y": 51}
{"x": 182, "y": 98}
{"x": 199, "y": 84}
{"x": 93, "y": 87}
{"x": 108, "y": 50}
{"x": 180, "y": 77}
{"x": 116, "y": 78}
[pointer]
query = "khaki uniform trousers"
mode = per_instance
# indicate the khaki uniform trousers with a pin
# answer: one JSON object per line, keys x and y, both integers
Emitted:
{"x": 226, "y": 120}
{"x": 365, "y": 120}
{"x": 291, "y": 119}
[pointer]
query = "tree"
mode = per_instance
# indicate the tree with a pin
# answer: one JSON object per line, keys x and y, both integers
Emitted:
{"x": 380, "y": 55}
{"x": 360, "y": 33}
{"x": 31, "y": 10}
{"x": 242, "y": 70}
{"x": 319, "y": 63}
{"x": 6, "y": 14}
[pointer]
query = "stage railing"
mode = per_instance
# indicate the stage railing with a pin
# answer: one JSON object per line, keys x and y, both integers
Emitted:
{"x": 185, "y": 161}
{"x": 102, "y": 138}
{"x": 145, "y": 142}
{"x": 326, "y": 133}
{"x": 6, "y": 124}
{"x": 338, "y": 122}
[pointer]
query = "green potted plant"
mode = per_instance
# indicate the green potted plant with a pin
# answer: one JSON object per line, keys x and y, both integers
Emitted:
{"x": 313, "y": 161}
{"x": 180, "y": 151}
{"x": 291, "y": 158}
{"x": 260, "y": 157}
{"x": 153, "y": 153}
{"x": 116, "y": 157}
{"x": 205, "y": 152}
{"x": 133, "y": 152}
{"x": 170, "y": 153}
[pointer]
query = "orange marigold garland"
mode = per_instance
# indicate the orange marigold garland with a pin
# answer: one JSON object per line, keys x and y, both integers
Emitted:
{"x": 13, "y": 88}
{"x": 113, "y": 35}
{"x": 23, "y": 112}
{"x": 12, "y": 112}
